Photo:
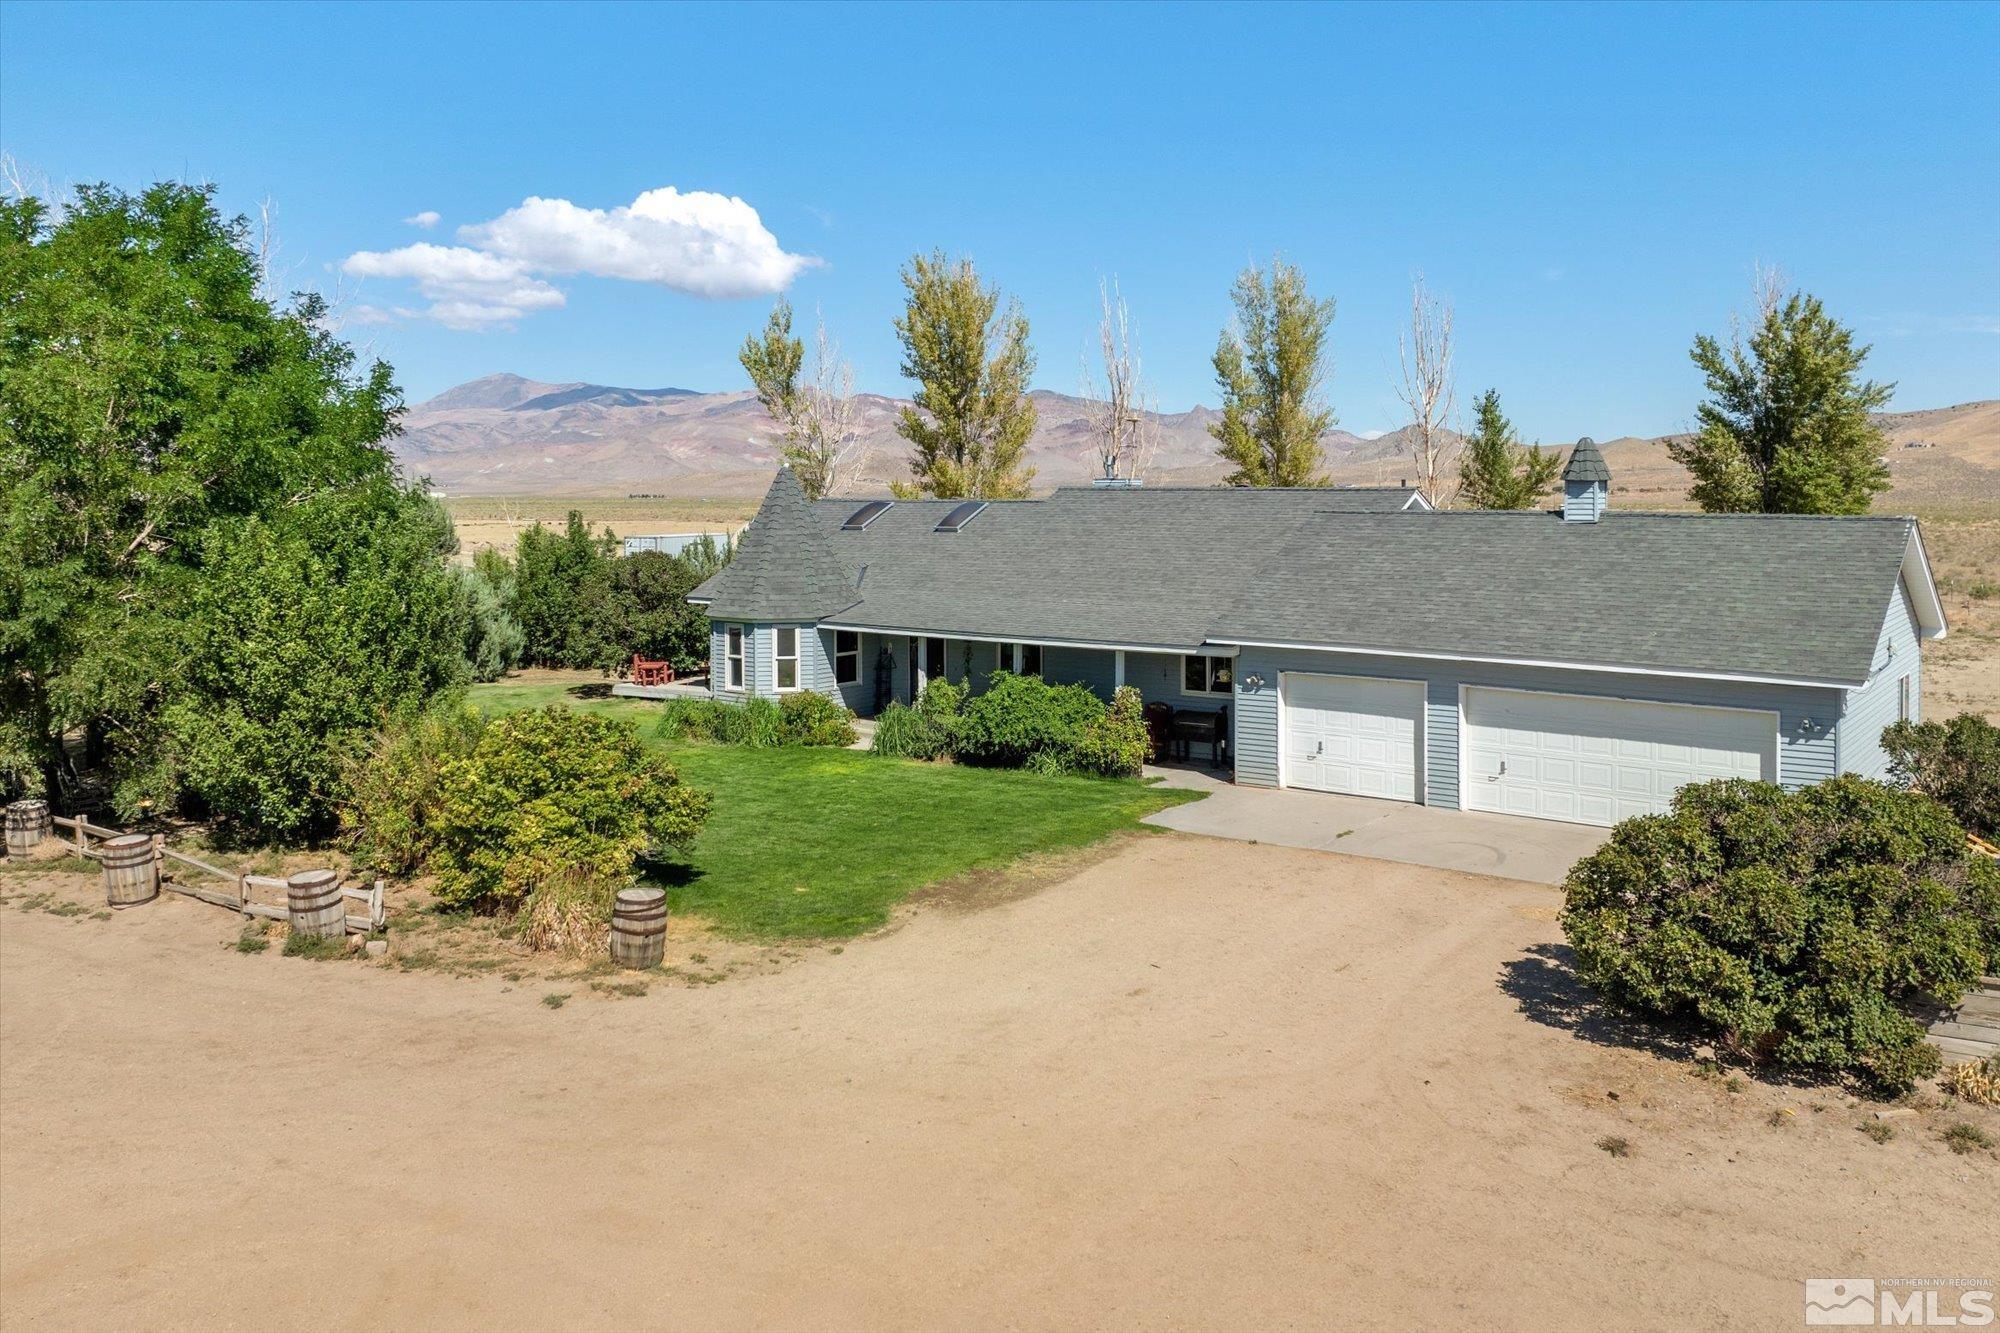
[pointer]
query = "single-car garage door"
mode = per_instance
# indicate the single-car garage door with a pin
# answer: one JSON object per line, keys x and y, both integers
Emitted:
{"x": 1597, "y": 761}
{"x": 1352, "y": 734}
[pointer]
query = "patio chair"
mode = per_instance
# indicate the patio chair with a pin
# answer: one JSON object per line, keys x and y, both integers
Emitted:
{"x": 1159, "y": 728}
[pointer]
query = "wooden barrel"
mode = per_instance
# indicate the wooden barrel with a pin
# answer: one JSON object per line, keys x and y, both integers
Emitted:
{"x": 27, "y": 824}
{"x": 316, "y": 904}
{"x": 131, "y": 869}
{"x": 639, "y": 927}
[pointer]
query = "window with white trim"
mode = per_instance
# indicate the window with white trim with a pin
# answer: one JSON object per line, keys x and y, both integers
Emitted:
{"x": 1030, "y": 659}
{"x": 788, "y": 657}
{"x": 732, "y": 652}
{"x": 846, "y": 657}
{"x": 1207, "y": 675}
{"x": 1902, "y": 698}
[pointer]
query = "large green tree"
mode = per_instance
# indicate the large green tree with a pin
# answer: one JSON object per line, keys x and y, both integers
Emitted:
{"x": 820, "y": 442}
{"x": 1786, "y": 428}
{"x": 654, "y": 618}
{"x": 1271, "y": 368}
{"x": 969, "y": 426}
{"x": 1496, "y": 471}
{"x": 563, "y": 595}
{"x": 156, "y": 412}
{"x": 313, "y": 623}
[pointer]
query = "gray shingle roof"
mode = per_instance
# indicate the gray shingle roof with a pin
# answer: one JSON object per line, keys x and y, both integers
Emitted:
{"x": 1586, "y": 463}
{"x": 1764, "y": 595}
{"x": 784, "y": 567}
{"x": 1150, "y": 567}
{"x": 1174, "y": 568}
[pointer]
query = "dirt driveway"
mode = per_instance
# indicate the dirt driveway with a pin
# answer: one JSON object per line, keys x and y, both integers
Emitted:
{"x": 1201, "y": 1084}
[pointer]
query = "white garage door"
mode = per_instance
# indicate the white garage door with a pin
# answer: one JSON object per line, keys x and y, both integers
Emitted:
{"x": 1352, "y": 734}
{"x": 1597, "y": 761}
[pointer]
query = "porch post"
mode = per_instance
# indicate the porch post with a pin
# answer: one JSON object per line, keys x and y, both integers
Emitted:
{"x": 1118, "y": 669}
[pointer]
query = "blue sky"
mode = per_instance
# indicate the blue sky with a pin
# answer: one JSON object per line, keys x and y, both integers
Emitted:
{"x": 1590, "y": 186}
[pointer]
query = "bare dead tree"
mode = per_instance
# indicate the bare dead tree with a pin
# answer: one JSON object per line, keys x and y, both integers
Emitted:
{"x": 1123, "y": 425}
{"x": 1427, "y": 390}
{"x": 827, "y": 438}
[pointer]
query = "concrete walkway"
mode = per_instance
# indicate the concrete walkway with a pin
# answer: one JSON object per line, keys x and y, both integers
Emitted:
{"x": 1540, "y": 850}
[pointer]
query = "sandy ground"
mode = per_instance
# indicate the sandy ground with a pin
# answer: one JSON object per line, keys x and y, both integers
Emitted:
{"x": 1199, "y": 1084}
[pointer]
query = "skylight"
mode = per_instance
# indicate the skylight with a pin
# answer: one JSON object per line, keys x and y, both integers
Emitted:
{"x": 865, "y": 515}
{"x": 960, "y": 515}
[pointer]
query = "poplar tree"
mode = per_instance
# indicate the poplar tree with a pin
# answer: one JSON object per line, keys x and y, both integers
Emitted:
{"x": 1495, "y": 471}
{"x": 1786, "y": 428}
{"x": 1271, "y": 367}
{"x": 970, "y": 420}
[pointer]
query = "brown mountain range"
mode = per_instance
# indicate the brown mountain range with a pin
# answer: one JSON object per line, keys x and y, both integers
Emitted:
{"x": 504, "y": 434}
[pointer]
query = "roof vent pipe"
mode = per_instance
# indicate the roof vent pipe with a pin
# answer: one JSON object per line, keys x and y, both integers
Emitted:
{"x": 1586, "y": 484}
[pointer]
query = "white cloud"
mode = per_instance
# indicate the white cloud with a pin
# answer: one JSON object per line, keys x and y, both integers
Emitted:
{"x": 703, "y": 244}
{"x": 467, "y": 289}
{"x": 426, "y": 219}
{"x": 368, "y": 314}
{"x": 700, "y": 243}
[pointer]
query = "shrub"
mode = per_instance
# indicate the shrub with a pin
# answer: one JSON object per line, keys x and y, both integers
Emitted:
{"x": 808, "y": 718}
{"x": 902, "y": 733}
{"x": 1020, "y": 717}
{"x": 1116, "y": 744}
{"x": 569, "y": 913}
{"x": 1797, "y": 924}
{"x": 554, "y": 792}
{"x": 927, "y": 731}
{"x": 692, "y": 719}
{"x": 394, "y": 791}
{"x": 1955, "y": 762}
{"x": 1975, "y": 1081}
{"x": 493, "y": 637}
{"x": 804, "y": 718}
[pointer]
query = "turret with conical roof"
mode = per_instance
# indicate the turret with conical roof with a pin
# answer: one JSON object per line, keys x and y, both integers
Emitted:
{"x": 1586, "y": 483}
{"x": 784, "y": 568}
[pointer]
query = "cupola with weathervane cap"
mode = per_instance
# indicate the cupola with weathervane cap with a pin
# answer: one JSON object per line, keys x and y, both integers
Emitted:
{"x": 1586, "y": 483}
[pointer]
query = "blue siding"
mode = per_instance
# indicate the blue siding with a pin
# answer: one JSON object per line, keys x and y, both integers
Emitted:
{"x": 1583, "y": 501}
{"x": 718, "y": 667}
{"x": 1807, "y": 717}
{"x": 1159, "y": 676}
{"x": 858, "y": 694}
{"x": 1878, "y": 704}
{"x": 1096, "y": 668}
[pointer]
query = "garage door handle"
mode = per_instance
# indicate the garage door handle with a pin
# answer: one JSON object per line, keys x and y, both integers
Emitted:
{"x": 1503, "y": 768}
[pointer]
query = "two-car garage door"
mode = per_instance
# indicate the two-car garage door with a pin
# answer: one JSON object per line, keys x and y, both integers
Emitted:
{"x": 1597, "y": 761}
{"x": 1580, "y": 758}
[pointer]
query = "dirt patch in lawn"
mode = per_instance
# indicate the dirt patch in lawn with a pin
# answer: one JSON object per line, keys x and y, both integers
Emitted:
{"x": 1195, "y": 1084}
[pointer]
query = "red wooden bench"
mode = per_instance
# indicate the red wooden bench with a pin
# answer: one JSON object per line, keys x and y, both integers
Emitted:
{"x": 648, "y": 671}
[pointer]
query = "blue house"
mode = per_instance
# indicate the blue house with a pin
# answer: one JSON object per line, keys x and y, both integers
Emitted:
{"x": 1578, "y": 663}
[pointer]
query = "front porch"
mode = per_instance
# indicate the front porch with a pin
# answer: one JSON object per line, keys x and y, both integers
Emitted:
{"x": 874, "y": 670}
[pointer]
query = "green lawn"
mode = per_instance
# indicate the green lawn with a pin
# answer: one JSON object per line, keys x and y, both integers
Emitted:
{"x": 824, "y": 843}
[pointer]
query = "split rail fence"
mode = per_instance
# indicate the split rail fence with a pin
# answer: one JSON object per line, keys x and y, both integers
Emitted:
{"x": 237, "y": 896}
